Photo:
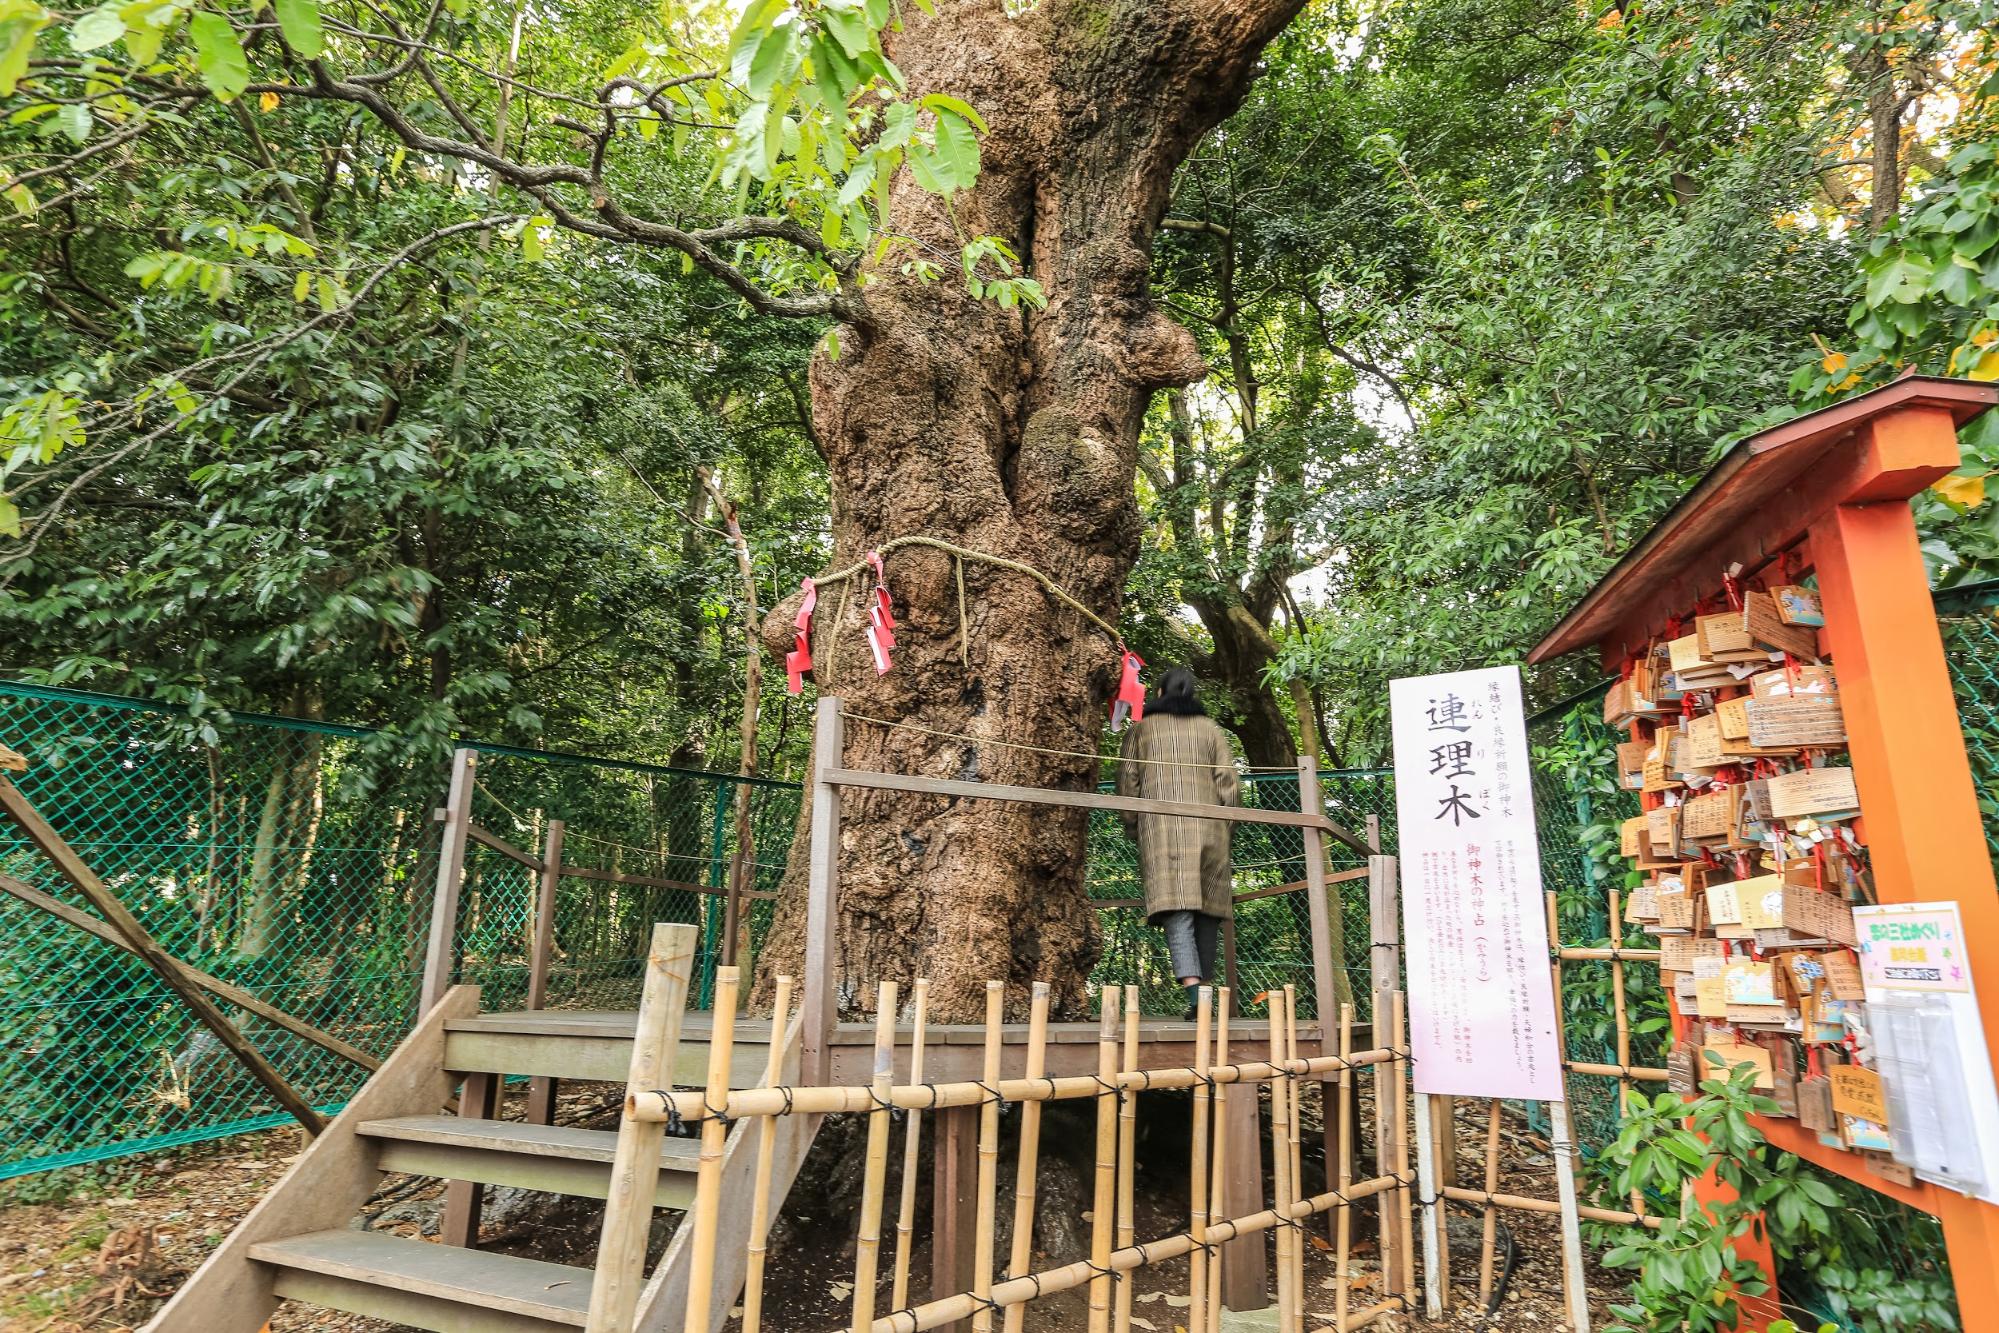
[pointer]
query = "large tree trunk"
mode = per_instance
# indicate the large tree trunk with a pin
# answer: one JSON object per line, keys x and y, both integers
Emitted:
{"x": 1014, "y": 433}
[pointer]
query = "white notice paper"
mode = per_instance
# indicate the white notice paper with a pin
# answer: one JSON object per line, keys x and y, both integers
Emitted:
{"x": 1481, "y": 1001}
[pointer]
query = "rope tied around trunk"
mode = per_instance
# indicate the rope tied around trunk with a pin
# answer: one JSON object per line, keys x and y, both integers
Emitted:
{"x": 960, "y": 554}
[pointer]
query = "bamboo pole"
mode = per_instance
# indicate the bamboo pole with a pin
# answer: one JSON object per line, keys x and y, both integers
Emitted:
{"x": 1104, "y": 1199}
{"x": 950, "y": 1309}
{"x": 1400, "y": 1082}
{"x": 1127, "y": 1157}
{"x": 1021, "y": 1258}
{"x": 658, "y": 1104}
{"x": 1623, "y": 1024}
{"x": 714, "y": 1138}
{"x": 989, "y": 1117}
{"x": 1490, "y": 1236}
{"x": 1294, "y": 1089}
{"x": 1217, "y": 1160}
{"x": 867, "y": 1250}
{"x": 1344, "y": 1242}
{"x": 1197, "y": 1172}
{"x": 905, "y": 1217}
{"x": 753, "y": 1281}
{"x": 1280, "y": 1172}
{"x": 1526, "y": 1204}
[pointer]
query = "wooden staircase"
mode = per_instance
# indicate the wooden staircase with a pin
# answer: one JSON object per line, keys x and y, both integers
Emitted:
{"x": 297, "y": 1244}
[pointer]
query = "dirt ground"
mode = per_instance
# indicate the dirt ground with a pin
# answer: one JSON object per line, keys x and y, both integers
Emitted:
{"x": 99, "y": 1248}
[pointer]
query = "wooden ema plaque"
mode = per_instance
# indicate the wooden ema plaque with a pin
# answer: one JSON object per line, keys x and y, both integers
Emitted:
{"x": 1631, "y": 837}
{"x": 1767, "y": 628}
{"x": 1798, "y": 721}
{"x": 1800, "y": 681}
{"x": 1705, "y": 818}
{"x": 1809, "y": 914}
{"x": 1631, "y": 764}
{"x": 1722, "y": 638}
{"x": 1700, "y": 746}
{"x": 1813, "y": 791}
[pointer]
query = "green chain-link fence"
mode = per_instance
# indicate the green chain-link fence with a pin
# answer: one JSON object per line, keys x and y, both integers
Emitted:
{"x": 298, "y": 861}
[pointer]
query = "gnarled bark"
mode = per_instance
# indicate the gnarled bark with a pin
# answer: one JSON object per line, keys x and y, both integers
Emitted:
{"x": 1013, "y": 432}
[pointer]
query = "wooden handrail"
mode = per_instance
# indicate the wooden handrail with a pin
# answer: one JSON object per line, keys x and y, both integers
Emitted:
{"x": 487, "y": 838}
{"x": 1086, "y": 800}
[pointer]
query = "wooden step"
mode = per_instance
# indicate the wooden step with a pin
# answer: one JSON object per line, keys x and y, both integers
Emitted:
{"x": 557, "y": 1158}
{"x": 429, "y": 1286}
{"x": 591, "y": 1046}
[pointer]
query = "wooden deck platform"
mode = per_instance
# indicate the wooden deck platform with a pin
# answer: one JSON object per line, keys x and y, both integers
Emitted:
{"x": 548, "y": 1041}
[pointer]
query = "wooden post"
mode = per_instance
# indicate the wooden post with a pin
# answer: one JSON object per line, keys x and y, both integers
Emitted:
{"x": 478, "y": 1099}
{"x": 953, "y": 1202}
{"x": 541, "y": 1091}
{"x": 1330, "y": 987}
{"x": 905, "y": 1217}
{"x": 1920, "y": 817}
{"x": 1623, "y": 1017}
{"x": 1020, "y": 1262}
{"x": 439, "y": 956}
{"x": 72, "y": 868}
{"x": 706, "y": 1216}
{"x": 874, "y": 1179}
{"x": 1434, "y": 1279}
{"x": 1575, "y": 1282}
{"x": 621, "y": 1250}
{"x": 1104, "y": 1196}
{"x": 753, "y": 1277}
{"x": 822, "y": 901}
{"x": 1385, "y": 968}
{"x": 989, "y": 1114}
{"x": 1238, "y": 1192}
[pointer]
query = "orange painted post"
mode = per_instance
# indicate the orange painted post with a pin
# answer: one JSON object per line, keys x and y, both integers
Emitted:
{"x": 1920, "y": 816}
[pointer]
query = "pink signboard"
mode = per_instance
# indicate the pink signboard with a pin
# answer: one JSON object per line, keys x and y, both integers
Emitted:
{"x": 1481, "y": 1001}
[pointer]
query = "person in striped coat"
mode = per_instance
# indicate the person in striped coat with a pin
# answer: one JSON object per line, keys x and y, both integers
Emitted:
{"x": 1178, "y": 753}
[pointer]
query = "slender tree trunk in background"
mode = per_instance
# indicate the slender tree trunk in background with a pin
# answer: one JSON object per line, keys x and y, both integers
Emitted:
{"x": 260, "y": 894}
{"x": 1016, "y": 433}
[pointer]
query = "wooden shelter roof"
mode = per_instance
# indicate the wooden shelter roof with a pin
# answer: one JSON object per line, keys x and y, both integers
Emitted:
{"x": 1734, "y": 492}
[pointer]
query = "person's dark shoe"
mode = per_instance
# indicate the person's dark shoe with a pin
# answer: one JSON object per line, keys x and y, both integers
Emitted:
{"x": 1193, "y": 1005}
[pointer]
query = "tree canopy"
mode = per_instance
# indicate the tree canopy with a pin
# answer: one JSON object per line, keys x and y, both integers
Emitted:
{"x": 361, "y": 359}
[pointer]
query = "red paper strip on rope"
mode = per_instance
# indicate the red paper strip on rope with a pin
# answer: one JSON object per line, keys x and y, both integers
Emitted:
{"x": 799, "y": 660}
{"x": 881, "y": 618}
{"x": 1129, "y": 706}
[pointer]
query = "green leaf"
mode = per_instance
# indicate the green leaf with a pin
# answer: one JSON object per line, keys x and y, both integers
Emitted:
{"x": 774, "y": 61}
{"x": 219, "y": 56}
{"x": 74, "y": 121}
{"x": 23, "y": 199}
{"x": 532, "y": 245}
{"x": 849, "y": 29}
{"x": 958, "y": 151}
{"x": 100, "y": 27}
{"x": 944, "y": 102}
{"x": 20, "y": 22}
{"x": 302, "y": 285}
{"x": 147, "y": 23}
{"x": 857, "y": 182}
{"x": 299, "y": 20}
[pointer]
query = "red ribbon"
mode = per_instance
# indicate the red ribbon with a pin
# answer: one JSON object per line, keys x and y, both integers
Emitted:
{"x": 799, "y": 660}
{"x": 1129, "y": 705}
{"x": 881, "y": 619}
